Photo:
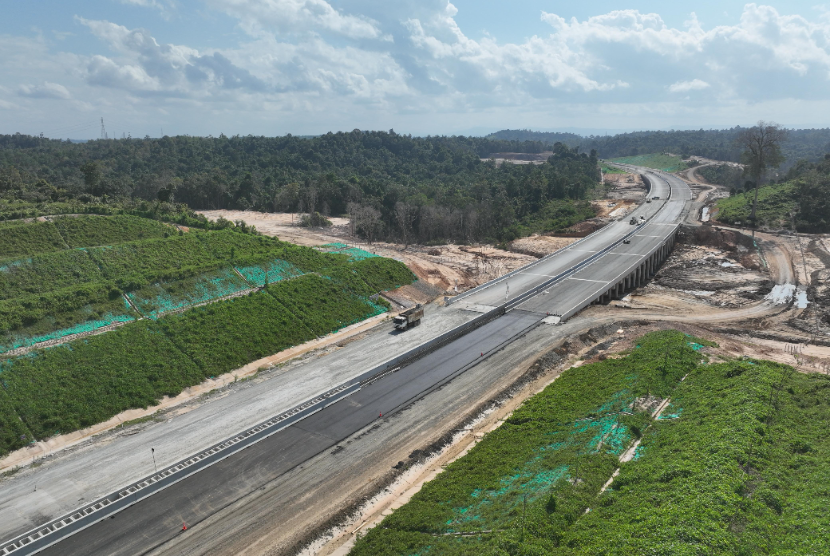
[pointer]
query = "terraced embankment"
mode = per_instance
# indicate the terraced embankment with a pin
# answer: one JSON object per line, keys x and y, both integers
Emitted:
{"x": 277, "y": 295}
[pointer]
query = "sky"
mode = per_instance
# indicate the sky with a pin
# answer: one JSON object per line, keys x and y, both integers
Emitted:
{"x": 424, "y": 67}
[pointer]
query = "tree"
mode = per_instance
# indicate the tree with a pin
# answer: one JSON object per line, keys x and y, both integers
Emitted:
{"x": 92, "y": 176}
{"x": 762, "y": 150}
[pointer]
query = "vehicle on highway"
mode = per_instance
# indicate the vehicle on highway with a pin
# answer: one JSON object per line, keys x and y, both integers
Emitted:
{"x": 648, "y": 200}
{"x": 633, "y": 221}
{"x": 409, "y": 318}
{"x": 656, "y": 197}
{"x": 626, "y": 241}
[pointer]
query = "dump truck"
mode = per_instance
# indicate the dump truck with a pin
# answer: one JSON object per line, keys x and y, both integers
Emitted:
{"x": 409, "y": 318}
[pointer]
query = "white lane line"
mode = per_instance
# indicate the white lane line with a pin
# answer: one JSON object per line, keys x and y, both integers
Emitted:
{"x": 531, "y": 274}
{"x": 628, "y": 254}
{"x": 587, "y": 280}
{"x": 582, "y": 250}
{"x": 640, "y": 235}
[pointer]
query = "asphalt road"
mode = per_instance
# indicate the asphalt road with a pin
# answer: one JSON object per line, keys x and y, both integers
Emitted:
{"x": 159, "y": 518}
{"x": 581, "y": 285}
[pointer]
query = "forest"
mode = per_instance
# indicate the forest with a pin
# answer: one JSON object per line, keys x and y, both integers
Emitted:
{"x": 806, "y": 144}
{"x": 397, "y": 187}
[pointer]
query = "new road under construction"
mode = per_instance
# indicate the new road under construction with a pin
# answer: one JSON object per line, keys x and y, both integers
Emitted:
{"x": 202, "y": 503}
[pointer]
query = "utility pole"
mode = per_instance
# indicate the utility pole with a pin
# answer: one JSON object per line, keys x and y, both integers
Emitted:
{"x": 806, "y": 275}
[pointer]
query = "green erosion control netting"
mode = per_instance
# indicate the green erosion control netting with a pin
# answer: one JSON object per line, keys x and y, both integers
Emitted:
{"x": 30, "y": 319}
{"x": 544, "y": 466}
{"x": 269, "y": 272}
{"x": 162, "y": 297}
{"x": 354, "y": 253}
{"x": 14, "y": 341}
{"x": 103, "y": 281}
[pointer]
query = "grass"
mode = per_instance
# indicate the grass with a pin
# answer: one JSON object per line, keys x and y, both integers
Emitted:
{"x": 775, "y": 202}
{"x": 658, "y": 161}
{"x": 85, "y": 381}
{"x": 322, "y": 304}
{"x": 223, "y": 336}
{"x": 154, "y": 258}
{"x": 76, "y": 385}
{"x": 556, "y": 450}
{"x": 92, "y": 231}
{"x": 606, "y": 169}
{"x": 155, "y": 299}
{"x": 27, "y": 320}
{"x": 21, "y": 239}
{"x": 740, "y": 467}
{"x": 47, "y": 272}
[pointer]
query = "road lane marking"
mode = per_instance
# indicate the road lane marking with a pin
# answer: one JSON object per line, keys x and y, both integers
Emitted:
{"x": 628, "y": 254}
{"x": 582, "y": 250}
{"x": 587, "y": 280}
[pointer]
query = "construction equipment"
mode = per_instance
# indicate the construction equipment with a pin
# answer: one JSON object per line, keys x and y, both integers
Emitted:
{"x": 409, "y": 318}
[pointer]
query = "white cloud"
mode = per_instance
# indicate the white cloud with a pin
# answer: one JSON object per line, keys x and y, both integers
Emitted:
{"x": 165, "y": 7}
{"x": 260, "y": 17}
{"x": 686, "y": 86}
{"x": 44, "y": 90}
{"x": 352, "y": 61}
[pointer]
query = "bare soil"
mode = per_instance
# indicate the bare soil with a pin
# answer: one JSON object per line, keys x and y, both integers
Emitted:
{"x": 445, "y": 267}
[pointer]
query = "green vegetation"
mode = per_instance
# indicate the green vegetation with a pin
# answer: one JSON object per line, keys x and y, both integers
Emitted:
{"x": 658, "y": 161}
{"x": 155, "y": 299}
{"x": 556, "y": 216}
{"x": 421, "y": 189}
{"x": 226, "y": 335}
{"x": 52, "y": 295}
{"x": 725, "y": 175}
{"x": 26, "y": 239}
{"x": 556, "y": 450}
{"x": 47, "y": 272}
{"x": 321, "y": 303}
{"x": 737, "y": 465}
{"x": 154, "y": 258}
{"x": 606, "y": 169}
{"x": 775, "y": 202}
{"x": 92, "y": 231}
{"x": 30, "y": 319}
{"x": 88, "y": 381}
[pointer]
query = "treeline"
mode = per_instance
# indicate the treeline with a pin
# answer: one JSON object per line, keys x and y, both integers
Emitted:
{"x": 395, "y": 186}
{"x": 809, "y": 144}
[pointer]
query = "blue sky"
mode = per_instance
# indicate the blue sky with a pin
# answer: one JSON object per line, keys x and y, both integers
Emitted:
{"x": 270, "y": 67}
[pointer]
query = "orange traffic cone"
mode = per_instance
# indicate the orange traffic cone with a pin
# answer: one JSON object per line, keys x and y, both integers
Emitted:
{"x": 184, "y": 526}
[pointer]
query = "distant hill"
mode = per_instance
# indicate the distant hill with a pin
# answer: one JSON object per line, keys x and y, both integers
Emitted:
{"x": 803, "y": 144}
{"x": 546, "y": 137}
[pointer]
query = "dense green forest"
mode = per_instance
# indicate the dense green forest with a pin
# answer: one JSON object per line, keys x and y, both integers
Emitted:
{"x": 804, "y": 191}
{"x": 394, "y": 186}
{"x": 809, "y": 144}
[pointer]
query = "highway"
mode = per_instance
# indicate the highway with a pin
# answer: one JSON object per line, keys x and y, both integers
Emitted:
{"x": 604, "y": 269}
{"x": 158, "y": 519}
{"x": 154, "y": 521}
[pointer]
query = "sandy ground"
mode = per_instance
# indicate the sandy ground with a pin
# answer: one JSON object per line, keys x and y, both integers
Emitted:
{"x": 446, "y": 267}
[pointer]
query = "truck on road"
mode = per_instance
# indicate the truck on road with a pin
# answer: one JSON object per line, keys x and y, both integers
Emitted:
{"x": 409, "y": 318}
